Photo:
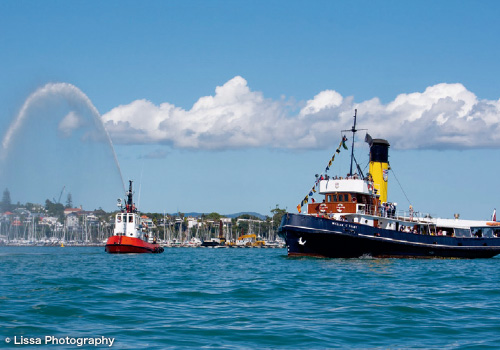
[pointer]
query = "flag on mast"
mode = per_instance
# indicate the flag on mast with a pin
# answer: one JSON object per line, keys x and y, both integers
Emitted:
{"x": 494, "y": 216}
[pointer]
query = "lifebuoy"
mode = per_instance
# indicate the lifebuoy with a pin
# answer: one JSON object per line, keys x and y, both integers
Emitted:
{"x": 340, "y": 207}
{"x": 322, "y": 207}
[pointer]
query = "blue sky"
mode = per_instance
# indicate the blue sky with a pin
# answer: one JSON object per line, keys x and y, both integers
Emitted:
{"x": 232, "y": 106}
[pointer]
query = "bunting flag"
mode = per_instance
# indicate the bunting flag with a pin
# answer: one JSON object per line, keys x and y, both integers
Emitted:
{"x": 344, "y": 139}
{"x": 319, "y": 178}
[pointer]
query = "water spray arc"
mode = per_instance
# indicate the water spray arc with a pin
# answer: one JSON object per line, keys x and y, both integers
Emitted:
{"x": 68, "y": 92}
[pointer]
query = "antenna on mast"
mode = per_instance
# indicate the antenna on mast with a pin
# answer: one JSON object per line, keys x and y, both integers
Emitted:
{"x": 353, "y": 130}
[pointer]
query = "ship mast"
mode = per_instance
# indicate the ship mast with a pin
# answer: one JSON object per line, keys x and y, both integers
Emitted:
{"x": 129, "y": 198}
{"x": 353, "y": 159}
{"x": 353, "y": 133}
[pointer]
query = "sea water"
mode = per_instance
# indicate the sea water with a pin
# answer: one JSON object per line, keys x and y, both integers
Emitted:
{"x": 190, "y": 298}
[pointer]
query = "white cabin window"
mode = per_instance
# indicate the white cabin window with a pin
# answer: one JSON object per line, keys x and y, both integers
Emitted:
{"x": 462, "y": 232}
{"x": 130, "y": 218}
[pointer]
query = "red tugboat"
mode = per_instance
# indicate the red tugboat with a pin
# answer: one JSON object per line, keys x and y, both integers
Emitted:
{"x": 130, "y": 235}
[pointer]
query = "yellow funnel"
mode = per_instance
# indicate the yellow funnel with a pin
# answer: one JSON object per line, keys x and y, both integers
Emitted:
{"x": 379, "y": 166}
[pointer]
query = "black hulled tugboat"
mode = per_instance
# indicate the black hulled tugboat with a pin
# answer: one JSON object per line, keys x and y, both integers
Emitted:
{"x": 356, "y": 220}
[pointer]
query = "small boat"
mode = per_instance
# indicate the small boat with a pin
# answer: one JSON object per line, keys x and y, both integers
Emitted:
{"x": 131, "y": 235}
{"x": 355, "y": 220}
{"x": 249, "y": 240}
{"x": 193, "y": 242}
{"x": 211, "y": 243}
{"x": 216, "y": 242}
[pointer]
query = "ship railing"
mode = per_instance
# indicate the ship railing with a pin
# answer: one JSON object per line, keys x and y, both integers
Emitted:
{"x": 413, "y": 216}
{"x": 403, "y": 215}
{"x": 367, "y": 209}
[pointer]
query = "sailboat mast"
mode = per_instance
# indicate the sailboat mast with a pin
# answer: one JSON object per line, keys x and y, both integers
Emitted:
{"x": 352, "y": 147}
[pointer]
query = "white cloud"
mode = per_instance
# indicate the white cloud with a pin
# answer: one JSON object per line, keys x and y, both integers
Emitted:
{"x": 324, "y": 100}
{"x": 69, "y": 123}
{"x": 443, "y": 116}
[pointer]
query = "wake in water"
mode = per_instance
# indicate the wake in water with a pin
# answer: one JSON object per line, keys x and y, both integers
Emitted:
{"x": 58, "y": 141}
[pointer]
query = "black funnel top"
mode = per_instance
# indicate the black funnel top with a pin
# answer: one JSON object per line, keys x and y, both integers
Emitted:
{"x": 379, "y": 151}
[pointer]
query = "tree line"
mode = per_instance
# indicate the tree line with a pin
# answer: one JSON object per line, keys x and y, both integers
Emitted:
{"x": 52, "y": 208}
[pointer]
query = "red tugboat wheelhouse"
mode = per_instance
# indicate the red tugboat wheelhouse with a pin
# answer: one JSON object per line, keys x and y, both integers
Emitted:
{"x": 355, "y": 219}
{"x": 131, "y": 235}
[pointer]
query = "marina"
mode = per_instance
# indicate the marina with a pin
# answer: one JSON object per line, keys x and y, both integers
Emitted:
{"x": 74, "y": 227}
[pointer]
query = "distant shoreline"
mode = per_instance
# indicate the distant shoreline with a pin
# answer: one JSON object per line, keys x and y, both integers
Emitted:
{"x": 102, "y": 245}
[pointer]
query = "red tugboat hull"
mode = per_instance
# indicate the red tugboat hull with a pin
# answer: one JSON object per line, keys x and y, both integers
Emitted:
{"x": 126, "y": 245}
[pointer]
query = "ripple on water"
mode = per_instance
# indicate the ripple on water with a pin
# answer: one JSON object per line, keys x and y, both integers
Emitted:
{"x": 249, "y": 298}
